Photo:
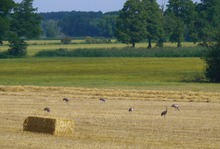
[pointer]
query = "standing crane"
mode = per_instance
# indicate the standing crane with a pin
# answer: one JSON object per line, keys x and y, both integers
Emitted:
{"x": 164, "y": 112}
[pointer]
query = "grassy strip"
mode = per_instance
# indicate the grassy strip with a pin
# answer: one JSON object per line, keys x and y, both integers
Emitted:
{"x": 100, "y": 72}
{"x": 34, "y": 46}
{"x": 125, "y": 52}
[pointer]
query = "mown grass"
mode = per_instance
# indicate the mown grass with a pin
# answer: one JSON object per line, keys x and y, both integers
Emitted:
{"x": 165, "y": 73}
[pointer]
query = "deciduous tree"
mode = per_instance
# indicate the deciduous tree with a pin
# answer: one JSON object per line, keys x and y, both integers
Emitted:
{"x": 51, "y": 29}
{"x": 183, "y": 13}
{"x": 24, "y": 23}
{"x": 208, "y": 20}
{"x": 131, "y": 24}
{"x": 153, "y": 18}
{"x": 5, "y": 8}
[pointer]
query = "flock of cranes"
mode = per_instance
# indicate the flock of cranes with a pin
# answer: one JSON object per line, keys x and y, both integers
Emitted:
{"x": 164, "y": 113}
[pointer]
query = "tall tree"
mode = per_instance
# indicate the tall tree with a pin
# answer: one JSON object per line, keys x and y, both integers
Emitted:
{"x": 5, "y": 8}
{"x": 131, "y": 24}
{"x": 183, "y": 13}
{"x": 25, "y": 20}
{"x": 153, "y": 18}
{"x": 208, "y": 21}
{"x": 25, "y": 23}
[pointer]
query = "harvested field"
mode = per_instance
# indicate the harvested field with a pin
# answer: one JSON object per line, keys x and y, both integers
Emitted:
{"x": 109, "y": 124}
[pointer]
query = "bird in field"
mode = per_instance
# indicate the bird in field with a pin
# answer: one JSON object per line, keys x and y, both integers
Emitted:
{"x": 164, "y": 112}
{"x": 66, "y": 99}
{"x": 46, "y": 109}
{"x": 130, "y": 109}
{"x": 176, "y": 106}
{"x": 102, "y": 99}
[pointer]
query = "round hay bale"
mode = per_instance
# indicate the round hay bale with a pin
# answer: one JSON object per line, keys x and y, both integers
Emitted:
{"x": 47, "y": 125}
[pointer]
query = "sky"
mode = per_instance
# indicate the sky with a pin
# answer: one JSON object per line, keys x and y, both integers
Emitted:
{"x": 80, "y": 5}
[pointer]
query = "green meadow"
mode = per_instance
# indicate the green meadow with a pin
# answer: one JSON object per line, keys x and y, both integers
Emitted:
{"x": 147, "y": 73}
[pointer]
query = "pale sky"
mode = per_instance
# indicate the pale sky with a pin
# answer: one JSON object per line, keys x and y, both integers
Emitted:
{"x": 80, "y": 5}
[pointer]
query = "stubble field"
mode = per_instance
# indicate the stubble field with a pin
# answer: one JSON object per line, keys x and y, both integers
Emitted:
{"x": 109, "y": 124}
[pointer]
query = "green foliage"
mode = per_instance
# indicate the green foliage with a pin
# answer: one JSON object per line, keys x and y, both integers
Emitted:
{"x": 177, "y": 31}
{"x": 66, "y": 40}
{"x": 153, "y": 18}
{"x": 4, "y": 27}
{"x": 125, "y": 52}
{"x": 5, "y": 7}
{"x": 18, "y": 48}
{"x": 131, "y": 24}
{"x": 106, "y": 25}
{"x": 4, "y": 55}
{"x": 82, "y": 24}
{"x": 212, "y": 60}
{"x": 180, "y": 14}
{"x": 91, "y": 40}
{"x": 77, "y": 24}
{"x": 208, "y": 20}
{"x": 25, "y": 22}
{"x": 51, "y": 28}
{"x": 183, "y": 20}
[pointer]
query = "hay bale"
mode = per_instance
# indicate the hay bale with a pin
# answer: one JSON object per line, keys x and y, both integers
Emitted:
{"x": 51, "y": 126}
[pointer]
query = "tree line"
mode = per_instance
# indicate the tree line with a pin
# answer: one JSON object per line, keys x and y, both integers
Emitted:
{"x": 138, "y": 20}
{"x": 79, "y": 24}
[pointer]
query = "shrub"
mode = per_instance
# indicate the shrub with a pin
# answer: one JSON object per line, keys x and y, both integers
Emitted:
{"x": 212, "y": 60}
{"x": 18, "y": 47}
{"x": 91, "y": 40}
{"x": 4, "y": 54}
{"x": 66, "y": 40}
{"x": 125, "y": 52}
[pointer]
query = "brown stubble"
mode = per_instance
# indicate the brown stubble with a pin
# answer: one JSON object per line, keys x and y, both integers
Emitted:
{"x": 109, "y": 124}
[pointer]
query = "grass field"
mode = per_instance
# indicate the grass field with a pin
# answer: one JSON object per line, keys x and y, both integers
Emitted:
{"x": 147, "y": 73}
{"x": 110, "y": 125}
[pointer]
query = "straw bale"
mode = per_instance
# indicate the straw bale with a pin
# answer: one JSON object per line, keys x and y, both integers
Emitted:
{"x": 47, "y": 125}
